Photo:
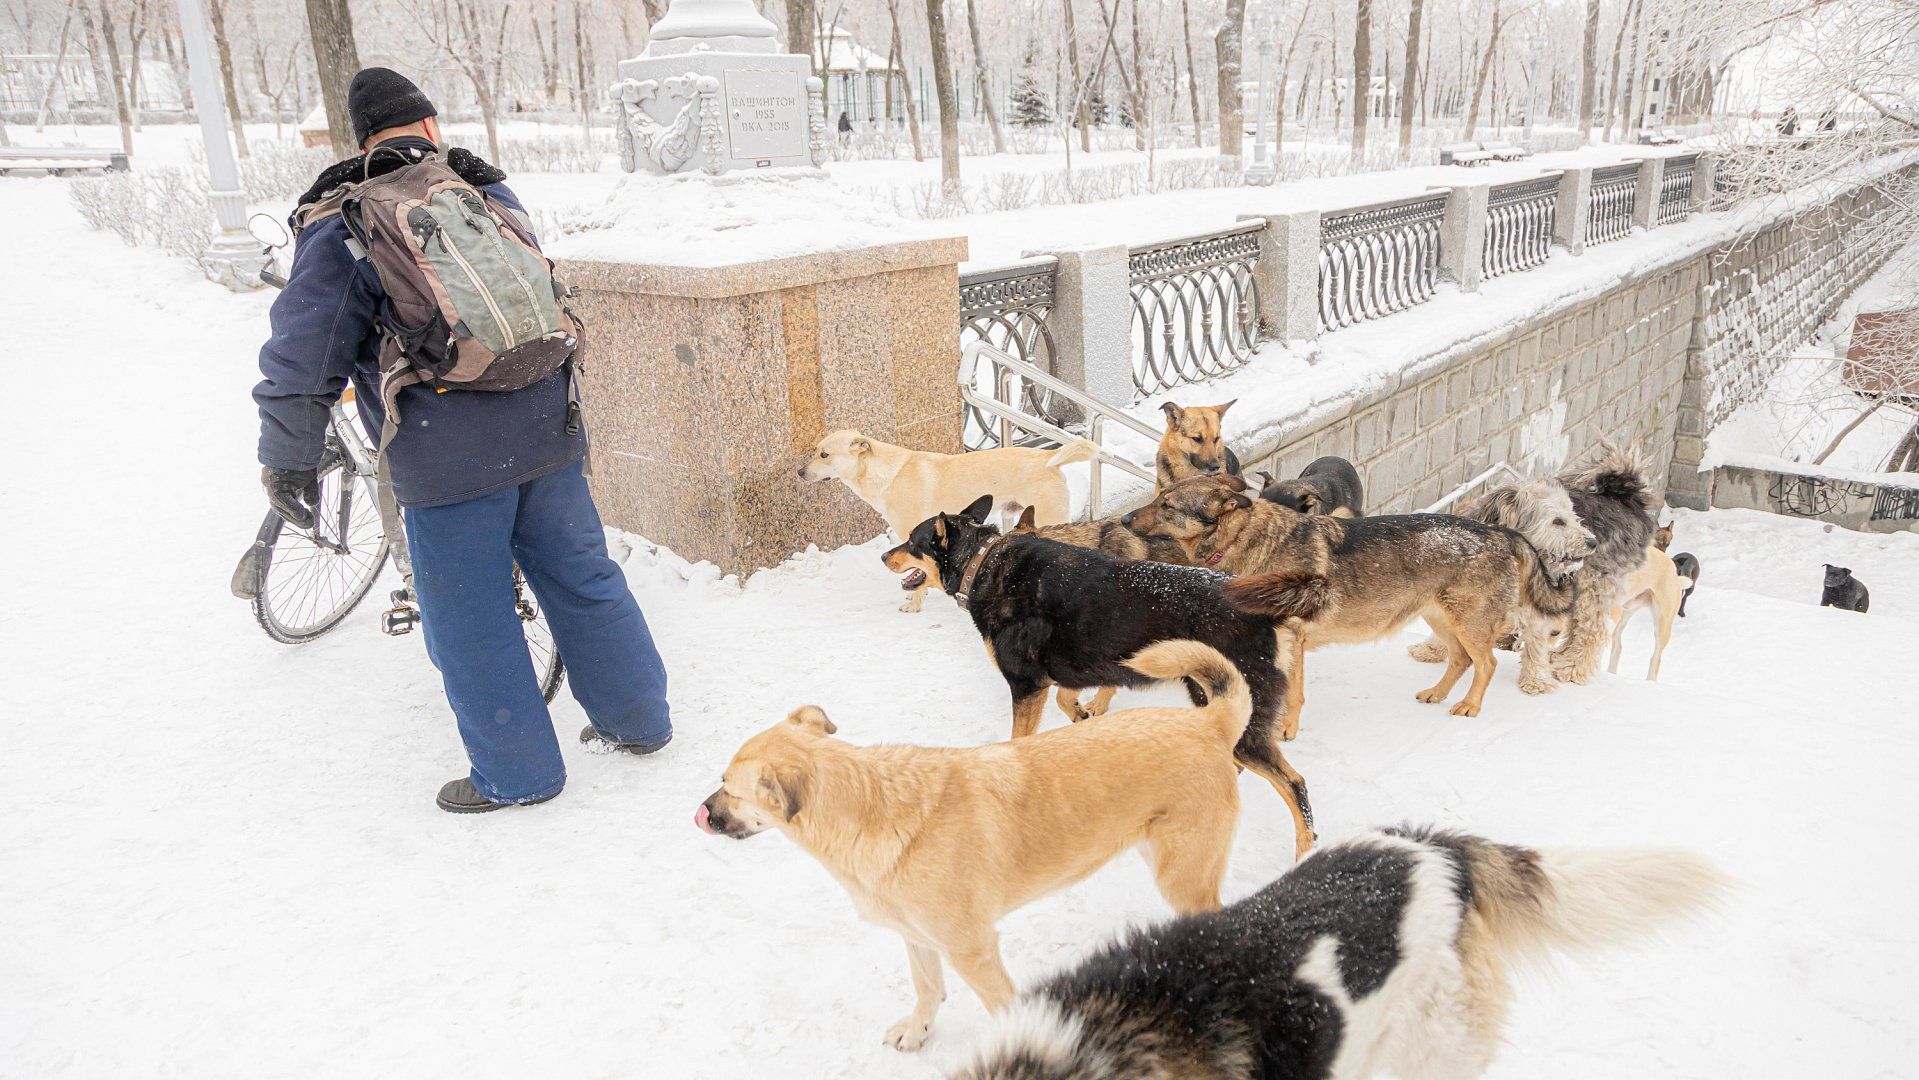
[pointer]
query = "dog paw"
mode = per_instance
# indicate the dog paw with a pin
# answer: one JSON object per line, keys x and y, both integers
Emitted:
{"x": 1431, "y": 697}
{"x": 1465, "y": 708}
{"x": 1427, "y": 652}
{"x": 911, "y": 605}
{"x": 1288, "y": 732}
{"x": 1532, "y": 684}
{"x": 909, "y": 1034}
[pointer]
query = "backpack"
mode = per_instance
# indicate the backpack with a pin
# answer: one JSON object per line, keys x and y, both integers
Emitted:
{"x": 472, "y": 304}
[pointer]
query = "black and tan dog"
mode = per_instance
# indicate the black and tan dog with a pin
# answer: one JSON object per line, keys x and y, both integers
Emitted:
{"x": 1192, "y": 445}
{"x": 1330, "y": 485}
{"x": 1376, "y": 574}
{"x": 1056, "y": 615}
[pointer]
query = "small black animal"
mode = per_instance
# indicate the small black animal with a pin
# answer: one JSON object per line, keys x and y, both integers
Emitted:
{"x": 1843, "y": 590}
{"x": 1388, "y": 952}
{"x": 1330, "y": 485}
{"x": 1056, "y": 615}
{"x": 1688, "y": 566}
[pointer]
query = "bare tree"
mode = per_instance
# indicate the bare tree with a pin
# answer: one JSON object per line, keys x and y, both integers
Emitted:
{"x": 949, "y": 101}
{"x": 985, "y": 79}
{"x": 1227, "y": 44}
{"x": 912, "y": 112}
{"x": 1081, "y": 110}
{"x": 1588, "y": 70}
{"x": 336, "y": 59}
{"x": 1362, "y": 75}
{"x": 1409, "y": 79}
{"x": 217, "y": 16}
{"x": 1192, "y": 71}
{"x": 114, "y": 69}
{"x": 800, "y": 18}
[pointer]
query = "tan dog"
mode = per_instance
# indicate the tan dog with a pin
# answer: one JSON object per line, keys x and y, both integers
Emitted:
{"x": 940, "y": 844}
{"x": 1656, "y": 585}
{"x": 1192, "y": 445}
{"x": 909, "y": 486}
{"x": 1468, "y": 578}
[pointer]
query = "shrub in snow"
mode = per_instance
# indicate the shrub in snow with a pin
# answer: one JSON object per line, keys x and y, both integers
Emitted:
{"x": 556, "y": 152}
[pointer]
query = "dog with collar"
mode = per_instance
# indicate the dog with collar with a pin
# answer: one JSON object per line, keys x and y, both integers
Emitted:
{"x": 1376, "y": 574}
{"x": 1055, "y": 615}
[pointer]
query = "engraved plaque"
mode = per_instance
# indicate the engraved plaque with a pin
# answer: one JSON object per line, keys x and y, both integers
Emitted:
{"x": 765, "y": 114}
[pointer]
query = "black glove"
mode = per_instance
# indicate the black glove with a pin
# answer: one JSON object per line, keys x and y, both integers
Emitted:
{"x": 294, "y": 493}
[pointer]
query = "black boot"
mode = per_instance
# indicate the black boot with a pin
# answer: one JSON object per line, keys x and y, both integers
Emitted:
{"x": 460, "y": 797}
{"x": 591, "y": 736}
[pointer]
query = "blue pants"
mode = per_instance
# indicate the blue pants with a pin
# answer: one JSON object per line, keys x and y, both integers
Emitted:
{"x": 463, "y": 557}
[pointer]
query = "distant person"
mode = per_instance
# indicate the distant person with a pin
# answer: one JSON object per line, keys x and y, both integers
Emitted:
{"x": 846, "y": 127}
{"x": 486, "y": 479}
{"x": 1789, "y": 122}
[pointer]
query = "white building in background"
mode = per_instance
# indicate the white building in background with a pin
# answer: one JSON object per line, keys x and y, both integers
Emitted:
{"x": 24, "y": 79}
{"x": 856, "y": 79}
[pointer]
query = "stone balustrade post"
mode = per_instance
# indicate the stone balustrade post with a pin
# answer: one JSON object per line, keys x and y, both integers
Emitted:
{"x": 1462, "y": 240}
{"x": 1702, "y": 177}
{"x": 1645, "y": 197}
{"x": 1287, "y": 275}
{"x": 1572, "y": 209}
{"x": 1092, "y": 321}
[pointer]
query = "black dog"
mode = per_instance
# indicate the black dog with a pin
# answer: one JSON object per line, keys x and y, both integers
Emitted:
{"x": 1688, "y": 566}
{"x": 1330, "y": 485}
{"x": 1844, "y": 591}
{"x": 1056, "y": 615}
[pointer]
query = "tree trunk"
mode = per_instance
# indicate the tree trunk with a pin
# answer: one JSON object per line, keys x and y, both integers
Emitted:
{"x": 579, "y": 72}
{"x": 1485, "y": 70}
{"x": 53, "y": 83}
{"x": 985, "y": 78}
{"x": 1409, "y": 80}
{"x": 1362, "y": 75}
{"x": 335, "y": 60}
{"x": 114, "y": 73}
{"x": 1588, "y": 71}
{"x": 1138, "y": 86}
{"x": 217, "y": 16}
{"x": 96, "y": 51}
{"x": 1192, "y": 72}
{"x": 799, "y": 30}
{"x": 949, "y": 101}
{"x": 1080, "y": 110}
{"x": 1226, "y": 44}
{"x": 912, "y": 110}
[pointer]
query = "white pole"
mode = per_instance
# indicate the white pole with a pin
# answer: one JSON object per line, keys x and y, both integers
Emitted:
{"x": 1261, "y": 171}
{"x": 233, "y": 258}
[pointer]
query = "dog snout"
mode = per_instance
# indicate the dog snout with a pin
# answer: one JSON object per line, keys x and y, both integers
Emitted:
{"x": 1209, "y": 466}
{"x": 1126, "y": 520}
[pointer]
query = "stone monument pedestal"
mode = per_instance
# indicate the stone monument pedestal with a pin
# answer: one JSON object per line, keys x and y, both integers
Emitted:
{"x": 705, "y": 385}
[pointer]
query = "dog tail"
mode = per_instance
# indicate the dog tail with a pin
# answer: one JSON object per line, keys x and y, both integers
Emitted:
{"x": 1077, "y": 450}
{"x": 1538, "y": 590}
{"x": 1293, "y": 595}
{"x": 1530, "y": 902}
{"x": 1614, "y": 473}
{"x": 1228, "y": 699}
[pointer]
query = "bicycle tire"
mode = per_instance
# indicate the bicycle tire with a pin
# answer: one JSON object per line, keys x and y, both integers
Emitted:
{"x": 310, "y": 588}
{"x": 539, "y": 639}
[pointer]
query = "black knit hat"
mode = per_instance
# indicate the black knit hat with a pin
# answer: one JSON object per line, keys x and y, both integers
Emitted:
{"x": 380, "y": 98}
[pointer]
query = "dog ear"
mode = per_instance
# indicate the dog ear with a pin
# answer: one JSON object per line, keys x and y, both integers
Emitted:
{"x": 1309, "y": 502}
{"x": 1265, "y": 479}
{"x": 1173, "y": 412}
{"x": 813, "y": 718}
{"x": 979, "y": 510}
{"x": 939, "y": 528}
{"x": 1499, "y": 508}
{"x": 1026, "y": 521}
{"x": 861, "y": 445}
{"x": 782, "y": 789}
{"x": 1220, "y": 410}
{"x": 1220, "y": 502}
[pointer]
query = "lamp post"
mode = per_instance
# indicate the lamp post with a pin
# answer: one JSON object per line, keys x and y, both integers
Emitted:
{"x": 1262, "y": 170}
{"x": 233, "y": 258}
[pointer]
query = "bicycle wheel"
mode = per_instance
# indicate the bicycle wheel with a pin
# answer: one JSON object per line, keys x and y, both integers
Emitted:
{"x": 315, "y": 578}
{"x": 539, "y": 640}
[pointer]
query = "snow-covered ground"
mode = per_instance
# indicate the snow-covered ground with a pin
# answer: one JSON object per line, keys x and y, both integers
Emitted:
{"x": 221, "y": 858}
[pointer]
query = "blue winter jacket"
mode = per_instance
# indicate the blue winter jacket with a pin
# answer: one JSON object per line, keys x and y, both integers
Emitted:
{"x": 450, "y": 446}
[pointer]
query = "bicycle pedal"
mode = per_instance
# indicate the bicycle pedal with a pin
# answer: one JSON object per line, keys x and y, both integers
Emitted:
{"x": 399, "y": 620}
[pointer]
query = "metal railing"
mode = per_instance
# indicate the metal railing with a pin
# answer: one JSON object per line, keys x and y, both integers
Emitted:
{"x": 1377, "y": 260}
{"x": 1195, "y": 310}
{"x": 1609, "y": 215}
{"x": 1675, "y": 190}
{"x": 1452, "y": 497}
{"x": 1006, "y": 307}
{"x": 1519, "y": 226}
{"x": 1006, "y": 372}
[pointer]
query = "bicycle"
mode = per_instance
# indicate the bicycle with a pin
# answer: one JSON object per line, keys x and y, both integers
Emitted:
{"x": 303, "y": 583}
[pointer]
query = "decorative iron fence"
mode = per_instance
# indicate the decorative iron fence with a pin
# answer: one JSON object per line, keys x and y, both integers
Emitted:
{"x": 1006, "y": 307}
{"x": 1519, "y": 226}
{"x": 1609, "y": 215}
{"x": 1675, "y": 189}
{"x": 1376, "y": 260}
{"x": 1195, "y": 310}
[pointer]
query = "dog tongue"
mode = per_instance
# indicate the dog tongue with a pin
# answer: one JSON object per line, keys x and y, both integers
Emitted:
{"x": 699, "y": 818}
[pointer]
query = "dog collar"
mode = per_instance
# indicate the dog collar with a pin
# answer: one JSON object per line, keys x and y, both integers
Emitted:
{"x": 972, "y": 571}
{"x": 1220, "y": 553}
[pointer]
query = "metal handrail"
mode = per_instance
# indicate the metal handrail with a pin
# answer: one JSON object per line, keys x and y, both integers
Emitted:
{"x": 1007, "y": 369}
{"x": 1454, "y": 495}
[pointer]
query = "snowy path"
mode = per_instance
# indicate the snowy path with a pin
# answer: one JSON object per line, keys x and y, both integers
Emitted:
{"x": 221, "y": 856}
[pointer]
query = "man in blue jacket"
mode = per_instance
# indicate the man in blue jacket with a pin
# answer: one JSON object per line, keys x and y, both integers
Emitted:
{"x": 485, "y": 480}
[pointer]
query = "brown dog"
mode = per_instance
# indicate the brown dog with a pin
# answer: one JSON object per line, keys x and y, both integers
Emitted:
{"x": 1658, "y": 586}
{"x": 1192, "y": 445}
{"x": 1466, "y": 577}
{"x": 940, "y": 844}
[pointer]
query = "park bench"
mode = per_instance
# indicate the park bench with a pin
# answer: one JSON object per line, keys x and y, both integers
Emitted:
{"x": 61, "y": 160}
{"x": 1660, "y": 137}
{"x": 1475, "y": 153}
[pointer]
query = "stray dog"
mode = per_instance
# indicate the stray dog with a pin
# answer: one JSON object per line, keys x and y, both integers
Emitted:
{"x": 1390, "y": 952}
{"x": 1192, "y": 445}
{"x": 1376, "y": 573}
{"x": 1109, "y": 535}
{"x": 940, "y": 844}
{"x": 1844, "y": 591}
{"x": 1655, "y": 585}
{"x": 1541, "y": 511}
{"x": 1330, "y": 485}
{"x": 908, "y": 486}
{"x": 1662, "y": 537}
{"x": 1688, "y": 566}
{"x": 1056, "y": 615}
